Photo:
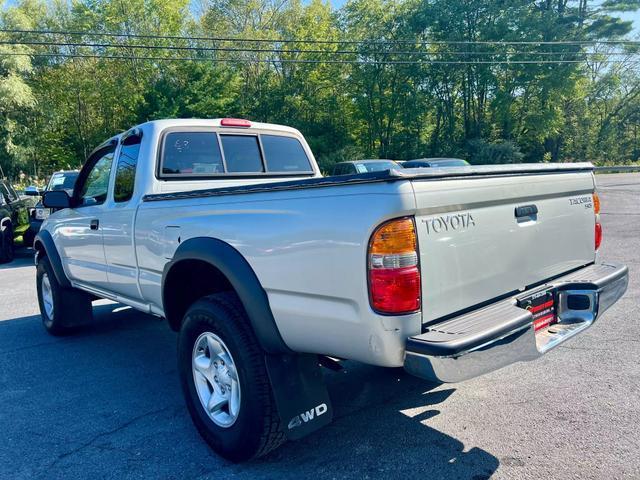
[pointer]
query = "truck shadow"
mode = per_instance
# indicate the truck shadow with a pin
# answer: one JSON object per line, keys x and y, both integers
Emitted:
{"x": 381, "y": 429}
{"x": 114, "y": 407}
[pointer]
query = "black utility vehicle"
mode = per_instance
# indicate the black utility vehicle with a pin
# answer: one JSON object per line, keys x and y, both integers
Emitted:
{"x": 11, "y": 205}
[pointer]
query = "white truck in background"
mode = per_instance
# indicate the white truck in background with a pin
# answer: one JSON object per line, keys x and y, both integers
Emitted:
{"x": 227, "y": 229}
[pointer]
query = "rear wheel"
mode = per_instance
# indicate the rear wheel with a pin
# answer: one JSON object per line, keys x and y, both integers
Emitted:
{"x": 224, "y": 380}
{"x": 6, "y": 243}
{"x": 61, "y": 309}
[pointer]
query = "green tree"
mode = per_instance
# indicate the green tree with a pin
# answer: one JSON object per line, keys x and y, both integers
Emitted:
{"x": 16, "y": 96}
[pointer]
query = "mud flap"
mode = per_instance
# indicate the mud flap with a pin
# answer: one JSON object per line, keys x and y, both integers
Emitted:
{"x": 300, "y": 393}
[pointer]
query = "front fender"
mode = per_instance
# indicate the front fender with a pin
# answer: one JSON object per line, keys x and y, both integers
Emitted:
{"x": 44, "y": 242}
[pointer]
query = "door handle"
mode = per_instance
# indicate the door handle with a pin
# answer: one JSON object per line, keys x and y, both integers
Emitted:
{"x": 95, "y": 223}
{"x": 526, "y": 211}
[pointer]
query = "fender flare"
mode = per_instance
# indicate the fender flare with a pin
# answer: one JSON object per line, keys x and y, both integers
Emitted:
{"x": 242, "y": 278}
{"x": 46, "y": 240}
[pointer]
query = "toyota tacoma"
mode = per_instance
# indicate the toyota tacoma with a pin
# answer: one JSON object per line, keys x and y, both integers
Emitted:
{"x": 267, "y": 269}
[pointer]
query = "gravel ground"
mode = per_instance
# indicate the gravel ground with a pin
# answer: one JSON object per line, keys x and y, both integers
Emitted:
{"x": 106, "y": 402}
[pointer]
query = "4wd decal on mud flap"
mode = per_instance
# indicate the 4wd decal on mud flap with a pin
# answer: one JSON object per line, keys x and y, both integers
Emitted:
{"x": 307, "y": 416}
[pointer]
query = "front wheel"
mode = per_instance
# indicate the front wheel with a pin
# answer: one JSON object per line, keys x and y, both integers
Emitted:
{"x": 61, "y": 308}
{"x": 224, "y": 380}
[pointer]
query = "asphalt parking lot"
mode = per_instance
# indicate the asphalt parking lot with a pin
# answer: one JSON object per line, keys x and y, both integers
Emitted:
{"x": 106, "y": 402}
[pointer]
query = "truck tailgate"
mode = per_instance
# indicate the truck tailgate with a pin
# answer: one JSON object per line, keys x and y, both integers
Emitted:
{"x": 486, "y": 236}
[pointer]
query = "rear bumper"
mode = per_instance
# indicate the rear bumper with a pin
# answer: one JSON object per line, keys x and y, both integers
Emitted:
{"x": 500, "y": 334}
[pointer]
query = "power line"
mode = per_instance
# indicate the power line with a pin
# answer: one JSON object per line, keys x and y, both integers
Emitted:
{"x": 313, "y": 61}
{"x": 329, "y": 42}
{"x": 298, "y": 51}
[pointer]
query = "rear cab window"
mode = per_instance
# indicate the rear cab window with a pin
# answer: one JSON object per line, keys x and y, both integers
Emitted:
{"x": 284, "y": 154}
{"x": 186, "y": 153}
{"x": 242, "y": 153}
{"x": 211, "y": 153}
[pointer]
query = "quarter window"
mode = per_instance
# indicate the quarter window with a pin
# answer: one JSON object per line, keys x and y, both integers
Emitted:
{"x": 126, "y": 170}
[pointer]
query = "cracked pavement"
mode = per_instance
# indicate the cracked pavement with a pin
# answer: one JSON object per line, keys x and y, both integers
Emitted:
{"x": 106, "y": 402}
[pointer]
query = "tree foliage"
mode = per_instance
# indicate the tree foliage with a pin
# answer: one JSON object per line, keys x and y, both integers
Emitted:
{"x": 457, "y": 96}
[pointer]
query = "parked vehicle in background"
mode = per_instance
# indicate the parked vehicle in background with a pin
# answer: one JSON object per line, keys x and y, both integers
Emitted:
{"x": 13, "y": 212}
{"x": 32, "y": 191}
{"x": 228, "y": 230}
{"x": 61, "y": 180}
{"x": 435, "y": 163}
{"x": 363, "y": 166}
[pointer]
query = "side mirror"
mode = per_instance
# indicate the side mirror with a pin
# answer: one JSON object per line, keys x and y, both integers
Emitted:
{"x": 32, "y": 191}
{"x": 56, "y": 199}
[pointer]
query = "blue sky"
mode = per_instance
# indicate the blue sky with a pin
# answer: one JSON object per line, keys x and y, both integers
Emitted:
{"x": 633, "y": 16}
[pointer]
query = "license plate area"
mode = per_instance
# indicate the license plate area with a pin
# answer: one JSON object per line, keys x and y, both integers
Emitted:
{"x": 542, "y": 306}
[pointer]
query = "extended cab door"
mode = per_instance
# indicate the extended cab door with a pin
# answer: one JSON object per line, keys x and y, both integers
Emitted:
{"x": 77, "y": 230}
{"x": 117, "y": 221}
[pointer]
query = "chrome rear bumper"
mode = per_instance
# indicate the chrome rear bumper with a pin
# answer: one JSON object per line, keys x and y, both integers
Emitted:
{"x": 500, "y": 334}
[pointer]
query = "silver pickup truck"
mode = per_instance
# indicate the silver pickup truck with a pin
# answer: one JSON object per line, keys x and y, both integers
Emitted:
{"x": 227, "y": 229}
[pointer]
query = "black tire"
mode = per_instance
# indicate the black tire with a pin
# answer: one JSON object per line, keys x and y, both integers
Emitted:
{"x": 257, "y": 429}
{"x": 71, "y": 307}
{"x": 7, "y": 247}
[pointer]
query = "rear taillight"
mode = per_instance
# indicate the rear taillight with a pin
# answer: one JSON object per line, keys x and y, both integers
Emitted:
{"x": 598, "y": 228}
{"x": 598, "y": 235}
{"x": 394, "y": 276}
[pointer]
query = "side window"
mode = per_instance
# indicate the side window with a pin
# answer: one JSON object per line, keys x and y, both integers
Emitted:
{"x": 94, "y": 190}
{"x": 191, "y": 153}
{"x": 242, "y": 153}
{"x": 126, "y": 170}
{"x": 284, "y": 154}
